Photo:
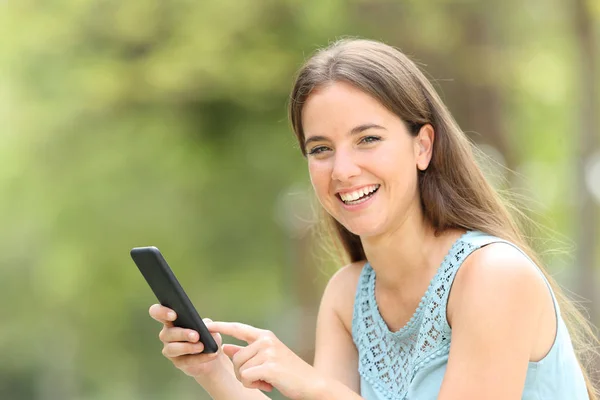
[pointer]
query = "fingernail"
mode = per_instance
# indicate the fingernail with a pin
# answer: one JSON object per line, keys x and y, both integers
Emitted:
{"x": 171, "y": 315}
{"x": 192, "y": 335}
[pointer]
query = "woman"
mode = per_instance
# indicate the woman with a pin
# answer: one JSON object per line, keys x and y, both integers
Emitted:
{"x": 443, "y": 299}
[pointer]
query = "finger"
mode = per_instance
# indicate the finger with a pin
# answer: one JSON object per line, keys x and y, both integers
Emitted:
{"x": 256, "y": 374}
{"x": 218, "y": 339}
{"x": 175, "y": 334}
{"x": 177, "y": 349}
{"x": 261, "y": 385}
{"x": 238, "y": 330}
{"x": 258, "y": 359}
{"x": 216, "y": 336}
{"x": 243, "y": 356}
{"x": 230, "y": 350}
{"x": 162, "y": 313}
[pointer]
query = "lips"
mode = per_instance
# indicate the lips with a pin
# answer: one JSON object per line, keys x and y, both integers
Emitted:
{"x": 359, "y": 195}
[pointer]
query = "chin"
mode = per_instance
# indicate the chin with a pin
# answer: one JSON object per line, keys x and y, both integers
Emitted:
{"x": 364, "y": 229}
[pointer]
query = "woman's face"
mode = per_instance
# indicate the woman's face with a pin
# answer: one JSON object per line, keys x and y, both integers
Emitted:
{"x": 362, "y": 160}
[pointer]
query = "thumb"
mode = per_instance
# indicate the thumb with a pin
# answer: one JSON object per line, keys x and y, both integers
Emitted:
{"x": 215, "y": 335}
{"x": 231, "y": 349}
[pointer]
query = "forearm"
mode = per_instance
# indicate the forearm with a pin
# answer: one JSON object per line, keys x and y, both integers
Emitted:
{"x": 225, "y": 386}
{"x": 331, "y": 389}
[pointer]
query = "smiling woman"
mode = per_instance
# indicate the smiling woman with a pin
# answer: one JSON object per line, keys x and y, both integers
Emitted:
{"x": 443, "y": 298}
{"x": 366, "y": 147}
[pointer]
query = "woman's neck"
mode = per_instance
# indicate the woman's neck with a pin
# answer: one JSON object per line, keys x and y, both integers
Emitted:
{"x": 410, "y": 253}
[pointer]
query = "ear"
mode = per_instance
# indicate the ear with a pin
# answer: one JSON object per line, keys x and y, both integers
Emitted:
{"x": 424, "y": 146}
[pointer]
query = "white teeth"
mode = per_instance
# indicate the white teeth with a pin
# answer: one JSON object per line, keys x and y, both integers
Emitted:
{"x": 358, "y": 193}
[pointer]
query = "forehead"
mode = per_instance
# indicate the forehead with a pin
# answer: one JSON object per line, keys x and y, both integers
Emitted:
{"x": 341, "y": 106}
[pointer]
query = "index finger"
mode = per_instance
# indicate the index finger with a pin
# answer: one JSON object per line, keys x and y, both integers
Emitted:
{"x": 247, "y": 333}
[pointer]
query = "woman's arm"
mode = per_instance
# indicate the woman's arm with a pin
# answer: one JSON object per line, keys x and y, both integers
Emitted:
{"x": 336, "y": 356}
{"x": 266, "y": 362}
{"x": 494, "y": 309}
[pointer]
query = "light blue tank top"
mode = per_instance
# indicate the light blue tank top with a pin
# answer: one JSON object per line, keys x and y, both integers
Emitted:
{"x": 409, "y": 364}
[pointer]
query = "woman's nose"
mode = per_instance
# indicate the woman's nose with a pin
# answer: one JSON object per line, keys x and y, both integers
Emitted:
{"x": 344, "y": 167}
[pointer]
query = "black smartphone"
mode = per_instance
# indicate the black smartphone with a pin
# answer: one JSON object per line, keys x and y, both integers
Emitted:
{"x": 169, "y": 293}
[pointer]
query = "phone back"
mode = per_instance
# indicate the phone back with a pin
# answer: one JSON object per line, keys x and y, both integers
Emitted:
{"x": 169, "y": 292}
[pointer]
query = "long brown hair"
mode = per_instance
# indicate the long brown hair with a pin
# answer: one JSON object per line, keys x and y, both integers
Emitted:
{"x": 453, "y": 190}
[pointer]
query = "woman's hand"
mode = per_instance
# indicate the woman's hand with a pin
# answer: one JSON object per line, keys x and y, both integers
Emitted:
{"x": 182, "y": 346}
{"x": 266, "y": 362}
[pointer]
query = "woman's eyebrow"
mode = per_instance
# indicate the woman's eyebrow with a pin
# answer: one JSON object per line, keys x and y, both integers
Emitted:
{"x": 354, "y": 131}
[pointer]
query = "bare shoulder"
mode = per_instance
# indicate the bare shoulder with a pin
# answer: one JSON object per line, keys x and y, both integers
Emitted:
{"x": 341, "y": 290}
{"x": 502, "y": 317}
{"x": 498, "y": 272}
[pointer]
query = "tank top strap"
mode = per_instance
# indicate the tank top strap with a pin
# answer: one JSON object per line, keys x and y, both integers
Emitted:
{"x": 474, "y": 240}
{"x": 362, "y": 303}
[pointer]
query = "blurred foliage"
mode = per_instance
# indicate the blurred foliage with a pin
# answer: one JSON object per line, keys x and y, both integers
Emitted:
{"x": 164, "y": 123}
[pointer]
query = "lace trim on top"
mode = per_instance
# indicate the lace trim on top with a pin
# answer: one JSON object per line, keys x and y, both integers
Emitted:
{"x": 389, "y": 360}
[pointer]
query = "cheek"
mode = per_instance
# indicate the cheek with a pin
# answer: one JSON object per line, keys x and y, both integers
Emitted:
{"x": 398, "y": 171}
{"x": 320, "y": 176}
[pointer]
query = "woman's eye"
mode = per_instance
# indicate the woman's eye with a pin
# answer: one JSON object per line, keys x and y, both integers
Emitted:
{"x": 317, "y": 150}
{"x": 370, "y": 139}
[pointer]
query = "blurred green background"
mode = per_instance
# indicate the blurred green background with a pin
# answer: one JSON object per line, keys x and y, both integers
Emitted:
{"x": 164, "y": 123}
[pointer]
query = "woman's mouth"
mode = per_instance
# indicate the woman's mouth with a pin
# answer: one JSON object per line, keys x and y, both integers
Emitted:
{"x": 358, "y": 196}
